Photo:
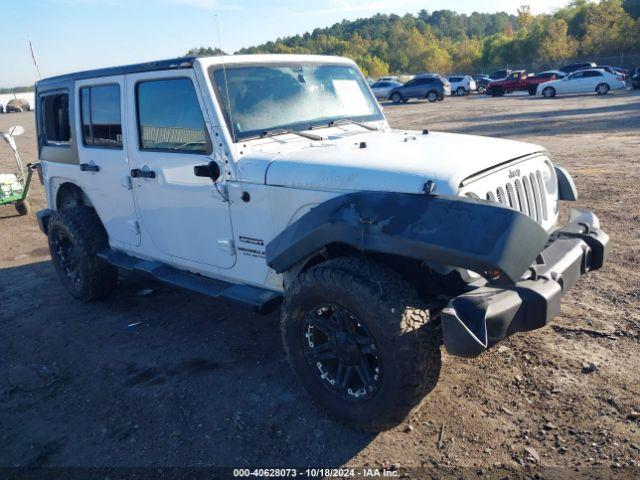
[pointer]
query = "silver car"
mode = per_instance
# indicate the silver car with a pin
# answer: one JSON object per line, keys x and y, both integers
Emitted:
{"x": 382, "y": 88}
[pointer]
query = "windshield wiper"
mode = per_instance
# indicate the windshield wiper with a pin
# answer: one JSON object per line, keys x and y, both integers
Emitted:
{"x": 283, "y": 131}
{"x": 343, "y": 121}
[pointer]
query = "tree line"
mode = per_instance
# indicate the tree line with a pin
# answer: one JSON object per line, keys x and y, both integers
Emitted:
{"x": 446, "y": 41}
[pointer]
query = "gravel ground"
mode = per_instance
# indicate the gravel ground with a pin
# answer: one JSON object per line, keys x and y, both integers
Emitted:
{"x": 156, "y": 376}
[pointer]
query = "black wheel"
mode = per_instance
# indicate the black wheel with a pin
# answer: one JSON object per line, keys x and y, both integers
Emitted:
{"x": 23, "y": 208}
{"x": 361, "y": 341}
{"x": 481, "y": 90}
{"x": 549, "y": 92}
{"x": 461, "y": 92}
{"x": 602, "y": 89}
{"x": 396, "y": 98}
{"x": 76, "y": 235}
{"x": 533, "y": 90}
{"x": 432, "y": 96}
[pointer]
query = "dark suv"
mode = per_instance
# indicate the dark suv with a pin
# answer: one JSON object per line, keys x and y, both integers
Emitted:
{"x": 574, "y": 67}
{"x": 431, "y": 87}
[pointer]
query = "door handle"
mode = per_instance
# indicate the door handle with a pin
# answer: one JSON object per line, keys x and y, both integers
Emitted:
{"x": 87, "y": 167}
{"x": 137, "y": 173}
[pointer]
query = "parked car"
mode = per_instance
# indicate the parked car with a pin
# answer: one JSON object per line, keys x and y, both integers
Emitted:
{"x": 17, "y": 105}
{"x": 576, "y": 66}
{"x": 481, "y": 83}
{"x": 432, "y": 87}
{"x": 614, "y": 70}
{"x": 499, "y": 74}
{"x": 635, "y": 79}
{"x": 378, "y": 246}
{"x": 583, "y": 81}
{"x": 382, "y": 88}
{"x": 462, "y": 84}
{"x": 521, "y": 80}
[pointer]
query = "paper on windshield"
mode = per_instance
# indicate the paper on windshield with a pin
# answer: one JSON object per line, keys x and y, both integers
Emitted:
{"x": 352, "y": 98}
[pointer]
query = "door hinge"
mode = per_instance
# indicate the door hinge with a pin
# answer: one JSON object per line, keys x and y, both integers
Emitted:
{"x": 127, "y": 183}
{"x": 134, "y": 225}
{"x": 228, "y": 246}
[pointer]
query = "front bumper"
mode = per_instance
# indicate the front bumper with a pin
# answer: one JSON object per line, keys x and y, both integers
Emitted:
{"x": 480, "y": 318}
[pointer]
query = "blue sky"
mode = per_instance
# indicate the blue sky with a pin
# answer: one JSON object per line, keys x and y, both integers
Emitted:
{"x": 71, "y": 35}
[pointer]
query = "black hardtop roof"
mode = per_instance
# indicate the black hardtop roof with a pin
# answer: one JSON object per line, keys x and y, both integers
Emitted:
{"x": 181, "y": 62}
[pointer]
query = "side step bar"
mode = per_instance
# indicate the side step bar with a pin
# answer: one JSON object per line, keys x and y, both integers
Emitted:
{"x": 260, "y": 299}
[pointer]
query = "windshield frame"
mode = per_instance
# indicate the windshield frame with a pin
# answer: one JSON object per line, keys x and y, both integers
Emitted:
{"x": 238, "y": 137}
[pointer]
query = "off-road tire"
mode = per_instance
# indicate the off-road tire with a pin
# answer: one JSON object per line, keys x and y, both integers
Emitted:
{"x": 23, "y": 208}
{"x": 396, "y": 98}
{"x": 81, "y": 228}
{"x": 408, "y": 340}
{"x": 602, "y": 88}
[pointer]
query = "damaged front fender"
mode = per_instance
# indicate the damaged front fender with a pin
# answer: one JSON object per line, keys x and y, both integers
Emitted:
{"x": 456, "y": 231}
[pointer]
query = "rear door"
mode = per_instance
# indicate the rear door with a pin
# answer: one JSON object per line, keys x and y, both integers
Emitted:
{"x": 591, "y": 80}
{"x": 181, "y": 214}
{"x": 102, "y": 149}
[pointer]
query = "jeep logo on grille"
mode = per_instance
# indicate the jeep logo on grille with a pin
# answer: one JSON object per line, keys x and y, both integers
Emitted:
{"x": 514, "y": 173}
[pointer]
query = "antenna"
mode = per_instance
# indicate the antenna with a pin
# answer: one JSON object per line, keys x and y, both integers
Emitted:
{"x": 35, "y": 62}
{"x": 226, "y": 80}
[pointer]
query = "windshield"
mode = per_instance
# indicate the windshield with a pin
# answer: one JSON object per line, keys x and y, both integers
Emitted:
{"x": 260, "y": 98}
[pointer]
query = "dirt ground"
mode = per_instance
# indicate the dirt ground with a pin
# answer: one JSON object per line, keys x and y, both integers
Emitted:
{"x": 171, "y": 378}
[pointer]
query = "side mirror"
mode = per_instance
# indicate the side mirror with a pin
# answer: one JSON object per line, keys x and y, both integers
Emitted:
{"x": 210, "y": 170}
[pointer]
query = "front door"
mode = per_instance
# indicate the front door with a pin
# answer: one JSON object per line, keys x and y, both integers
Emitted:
{"x": 181, "y": 214}
{"x": 103, "y": 154}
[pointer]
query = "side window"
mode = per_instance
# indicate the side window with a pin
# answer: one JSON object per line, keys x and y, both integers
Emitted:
{"x": 55, "y": 119}
{"x": 169, "y": 117}
{"x": 101, "y": 119}
{"x": 593, "y": 73}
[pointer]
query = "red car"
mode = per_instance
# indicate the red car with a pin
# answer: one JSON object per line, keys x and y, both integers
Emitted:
{"x": 519, "y": 80}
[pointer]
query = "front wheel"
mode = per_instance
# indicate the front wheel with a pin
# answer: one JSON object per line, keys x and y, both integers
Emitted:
{"x": 461, "y": 92}
{"x": 396, "y": 98}
{"x": 549, "y": 92}
{"x": 361, "y": 341}
{"x": 76, "y": 235}
{"x": 23, "y": 208}
{"x": 432, "y": 96}
{"x": 602, "y": 89}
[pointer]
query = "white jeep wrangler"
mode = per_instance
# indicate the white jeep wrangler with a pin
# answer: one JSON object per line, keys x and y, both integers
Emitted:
{"x": 276, "y": 177}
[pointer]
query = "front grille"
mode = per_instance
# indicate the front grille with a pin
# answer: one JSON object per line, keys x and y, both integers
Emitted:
{"x": 526, "y": 194}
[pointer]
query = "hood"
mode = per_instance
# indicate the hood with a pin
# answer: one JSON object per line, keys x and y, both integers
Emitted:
{"x": 387, "y": 161}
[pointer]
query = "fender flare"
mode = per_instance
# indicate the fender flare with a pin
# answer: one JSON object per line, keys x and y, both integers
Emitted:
{"x": 450, "y": 230}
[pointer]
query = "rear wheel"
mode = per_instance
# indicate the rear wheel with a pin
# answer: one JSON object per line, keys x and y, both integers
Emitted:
{"x": 396, "y": 98}
{"x": 432, "y": 96}
{"x": 76, "y": 235}
{"x": 481, "y": 90}
{"x": 361, "y": 341}
{"x": 23, "y": 208}
{"x": 497, "y": 92}
{"x": 549, "y": 92}
{"x": 602, "y": 89}
{"x": 461, "y": 92}
{"x": 532, "y": 90}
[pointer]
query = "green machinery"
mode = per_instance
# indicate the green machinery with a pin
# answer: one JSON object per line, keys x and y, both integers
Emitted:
{"x": 14, "y": 187}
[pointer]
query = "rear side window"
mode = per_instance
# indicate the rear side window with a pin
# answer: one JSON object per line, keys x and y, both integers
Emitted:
{"x": 100, "y": 112}
{"x": 55, "y": 119}
{"x": 592, "y": 73}
{"x": 169, "y": 117}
